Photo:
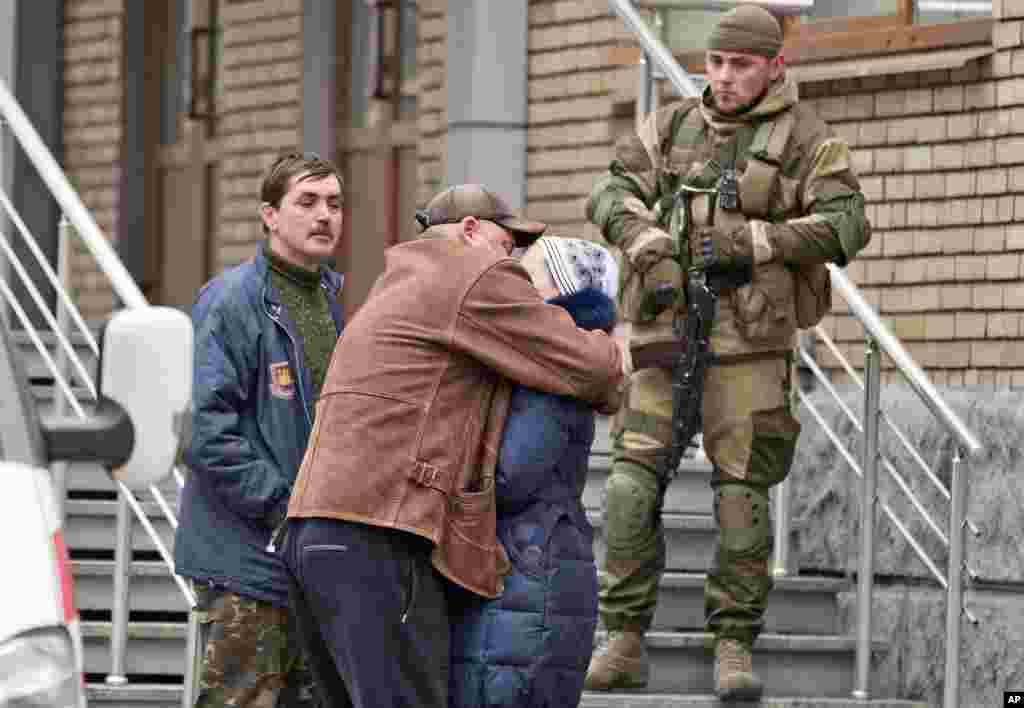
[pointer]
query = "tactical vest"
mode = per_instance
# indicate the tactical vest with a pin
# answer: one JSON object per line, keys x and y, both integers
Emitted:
{"x": 763, "y": 314}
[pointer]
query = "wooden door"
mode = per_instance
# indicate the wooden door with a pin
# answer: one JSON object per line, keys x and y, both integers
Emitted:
{"x": 186, "y": 169}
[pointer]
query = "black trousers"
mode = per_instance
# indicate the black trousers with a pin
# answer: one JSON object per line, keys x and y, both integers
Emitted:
{"x": 371, "y": 611}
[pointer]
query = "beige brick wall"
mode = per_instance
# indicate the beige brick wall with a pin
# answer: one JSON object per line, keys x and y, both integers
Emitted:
{"x": 432, "y": 100}
{"x": 941, "y": 159}
{"x": 571, "y": 122}
{"x": 941, "y": 155}
{"x": 259, "y": 116}
{"x": 92, "y": 132}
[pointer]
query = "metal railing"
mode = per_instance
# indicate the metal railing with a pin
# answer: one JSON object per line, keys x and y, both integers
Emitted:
{"x": 68, "y": 368}
{"x": 879, "y": 340}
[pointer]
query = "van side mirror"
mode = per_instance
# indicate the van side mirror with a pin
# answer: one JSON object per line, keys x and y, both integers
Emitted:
{"x": 145, "y": 386}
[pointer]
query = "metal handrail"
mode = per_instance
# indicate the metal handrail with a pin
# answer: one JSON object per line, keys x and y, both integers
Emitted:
{"x": 926, "y": 470}
{"x": 75, "y": 212}
{"x": 653, "y": 47}
{"x": 879, "y": 340}
{"x": 920, "y": 382}
{"x": 70, "y": 203}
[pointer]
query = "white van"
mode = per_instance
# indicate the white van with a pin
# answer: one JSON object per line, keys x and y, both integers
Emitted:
{"x": 40, "y": 640}
{"x": 135, "y": 428}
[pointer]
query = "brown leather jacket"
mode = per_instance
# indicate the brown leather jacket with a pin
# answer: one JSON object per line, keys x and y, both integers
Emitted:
{"x": 411, "y": 414}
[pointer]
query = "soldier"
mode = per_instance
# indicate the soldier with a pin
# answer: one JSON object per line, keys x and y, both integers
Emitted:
{"x": 750, "y": 186}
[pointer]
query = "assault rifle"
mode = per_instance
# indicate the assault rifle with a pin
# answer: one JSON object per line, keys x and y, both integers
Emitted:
{"x": 689, "y": 369}
{"x": 688, "y": 373}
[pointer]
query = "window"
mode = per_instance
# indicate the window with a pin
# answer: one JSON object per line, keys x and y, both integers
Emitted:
{"x": 384, "y": 58}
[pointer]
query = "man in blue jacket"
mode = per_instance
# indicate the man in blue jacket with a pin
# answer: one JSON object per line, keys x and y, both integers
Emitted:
{"x": 265, "y": 331}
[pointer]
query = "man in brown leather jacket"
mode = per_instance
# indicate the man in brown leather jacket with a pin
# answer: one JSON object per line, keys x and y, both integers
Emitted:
{"x": 396, "y": 491}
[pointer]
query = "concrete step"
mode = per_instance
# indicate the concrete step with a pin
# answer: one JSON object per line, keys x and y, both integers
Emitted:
{"x": 151, "y": 587}
{"x": 169, "y": 696}
{"x": 33, "y": 363}
{"x": 155, "y": 648}
{"x": 137, "y": 695}
{"x": 689, "y": 540}
{"x": 668, "y": 700}
{"x": 93, "y": 478}
{"x": 789, "y": 665}
{"x": 91, "y": 525}
{"x": 797, "y": 605}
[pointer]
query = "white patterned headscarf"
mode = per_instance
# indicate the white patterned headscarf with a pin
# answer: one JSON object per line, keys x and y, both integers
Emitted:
{"x": 576, "y": 264}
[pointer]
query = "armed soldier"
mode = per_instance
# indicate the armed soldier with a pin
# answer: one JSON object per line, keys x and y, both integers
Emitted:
{"x": 750, "y": 192}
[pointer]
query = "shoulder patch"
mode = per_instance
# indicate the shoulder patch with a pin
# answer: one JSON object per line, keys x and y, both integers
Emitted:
{"x": 831, "y": 157}
{"x": 282, "y": 383}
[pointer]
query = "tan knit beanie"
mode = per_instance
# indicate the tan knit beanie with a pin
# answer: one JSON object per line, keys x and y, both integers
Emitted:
{"x": 748, "y": 29}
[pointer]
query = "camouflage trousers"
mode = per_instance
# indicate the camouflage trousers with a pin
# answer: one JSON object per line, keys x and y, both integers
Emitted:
{"x": 251, "y": 656}
{"x": 750, "y": 436}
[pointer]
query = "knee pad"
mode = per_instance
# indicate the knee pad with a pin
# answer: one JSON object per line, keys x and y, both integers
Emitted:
{"x": 743, "y": 514}
{"x": 631, "y": 500}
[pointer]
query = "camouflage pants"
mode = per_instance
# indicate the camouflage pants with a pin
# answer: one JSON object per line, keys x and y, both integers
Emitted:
{"x": 749, "y": 435}
{"x": 251, "y": 656}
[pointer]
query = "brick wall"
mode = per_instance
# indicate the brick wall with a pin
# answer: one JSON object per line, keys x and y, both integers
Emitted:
{"x": 92, "y": 132}
{"x": 941, "y": 160}
{"x": 941, "y": 155}
{"x": 432, "y": 99}
{"x": 260, "y": 114}
{"x": 571, "y": 114}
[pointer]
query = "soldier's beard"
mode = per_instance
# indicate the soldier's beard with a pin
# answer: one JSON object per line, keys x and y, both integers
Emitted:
{"x": 743, "y": 108}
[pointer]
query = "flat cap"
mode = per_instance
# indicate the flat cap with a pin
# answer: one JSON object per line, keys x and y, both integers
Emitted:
{"x": 456, "y": 203}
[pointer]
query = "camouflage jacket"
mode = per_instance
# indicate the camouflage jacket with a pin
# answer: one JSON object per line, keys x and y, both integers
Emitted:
{"x": 797, "y": 191}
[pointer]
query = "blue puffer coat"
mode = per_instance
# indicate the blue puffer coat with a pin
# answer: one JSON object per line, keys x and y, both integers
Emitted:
{"x": 531, "y": 646}
{"x": 253, "y": 401}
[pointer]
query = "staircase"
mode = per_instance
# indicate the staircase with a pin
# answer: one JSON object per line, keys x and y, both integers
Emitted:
{"x": 804, "y": 656}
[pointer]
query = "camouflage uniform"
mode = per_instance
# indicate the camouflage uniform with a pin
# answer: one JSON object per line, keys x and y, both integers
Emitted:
{"x": 250, "y": 656}
{"x": 801, "y": 207}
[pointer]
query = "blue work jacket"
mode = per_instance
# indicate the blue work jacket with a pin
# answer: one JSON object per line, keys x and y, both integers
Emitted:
{"x": 253, "y": 412}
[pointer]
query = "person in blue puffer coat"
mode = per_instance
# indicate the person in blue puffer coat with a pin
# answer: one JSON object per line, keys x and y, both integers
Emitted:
{"x": 531, "y": 646}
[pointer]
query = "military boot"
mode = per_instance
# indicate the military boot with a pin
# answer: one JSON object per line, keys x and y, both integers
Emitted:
{"x": 734, "y": 673}
{"x": 622, "y": 663}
